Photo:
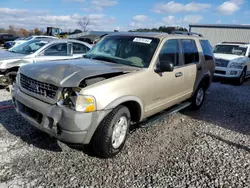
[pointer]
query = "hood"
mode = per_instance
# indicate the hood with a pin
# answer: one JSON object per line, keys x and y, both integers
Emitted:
{"x": 70, "y": 73}
{"x": 6, "y": 55}
{"x": 228, "y": 57}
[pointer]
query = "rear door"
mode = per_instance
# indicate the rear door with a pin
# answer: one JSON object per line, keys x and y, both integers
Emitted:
{"x": 192, "y": 67}
{"x": 79, "y": 49}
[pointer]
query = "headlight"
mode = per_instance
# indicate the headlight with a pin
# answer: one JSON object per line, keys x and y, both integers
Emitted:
{"x": 18, "y": 77}
{"x": 236, "y": 65}
{"x": 76, "y": 101}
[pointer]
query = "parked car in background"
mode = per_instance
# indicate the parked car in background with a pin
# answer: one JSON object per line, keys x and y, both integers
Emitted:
{"x": 4, "y": 37}
{"x": 10, "y": 44}
{"x": 122, "y": 80}
{"x": 83, "y": 39}
{"x": 36, "y": 51}
{"x": 34, "y": 37}
{"x": 232, "y": 61}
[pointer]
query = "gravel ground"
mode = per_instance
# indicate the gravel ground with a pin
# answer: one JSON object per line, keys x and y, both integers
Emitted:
{"x": 208, "y": 148}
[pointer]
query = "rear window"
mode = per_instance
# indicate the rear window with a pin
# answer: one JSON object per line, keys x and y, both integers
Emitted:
{"x": 207, "y": 50}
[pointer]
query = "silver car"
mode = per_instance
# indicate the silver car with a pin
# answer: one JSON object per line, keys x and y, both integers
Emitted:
{"x": 38, "y": 51}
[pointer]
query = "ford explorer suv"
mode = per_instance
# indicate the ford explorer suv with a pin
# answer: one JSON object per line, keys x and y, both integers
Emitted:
{"x": 123, "y": 79}
{"x": 232, "y": 61}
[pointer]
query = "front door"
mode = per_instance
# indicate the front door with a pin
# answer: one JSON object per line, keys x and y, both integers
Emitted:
{"x": 167, "y": 87}
{"x": 55, "y": 52}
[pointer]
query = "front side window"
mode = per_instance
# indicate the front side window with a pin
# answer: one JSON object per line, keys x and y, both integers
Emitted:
{"x": 127, "y": 50}
{"x": 230, "y": 49}
{"x": 28, "y": 47}
{"x": 170, "y": 52}
{"x": 207, "y": 50}
{"x": 79, "y": 48}
{"x": 190, "y": 51}
{"x": 56, "y": 50}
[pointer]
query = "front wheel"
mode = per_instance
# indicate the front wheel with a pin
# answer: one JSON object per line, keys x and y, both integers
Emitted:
{"x": 198, "y": 98}
{"x": 110, "y": 136}
{"x": 242, "y": 77}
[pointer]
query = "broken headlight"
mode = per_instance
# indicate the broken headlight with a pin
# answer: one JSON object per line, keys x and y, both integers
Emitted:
{"x": 72, "y": 98}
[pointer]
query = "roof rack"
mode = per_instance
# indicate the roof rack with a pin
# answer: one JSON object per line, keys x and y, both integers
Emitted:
{"x": 235, "y": 43}
{"x": 186, "y": 33}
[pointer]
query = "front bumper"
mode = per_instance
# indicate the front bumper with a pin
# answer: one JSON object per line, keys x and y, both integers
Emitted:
{"x": 225, "y": 72}
{"x": 61, "y": 122}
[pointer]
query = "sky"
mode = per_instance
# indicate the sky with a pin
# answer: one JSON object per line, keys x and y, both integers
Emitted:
{"x": 123, "y": 15}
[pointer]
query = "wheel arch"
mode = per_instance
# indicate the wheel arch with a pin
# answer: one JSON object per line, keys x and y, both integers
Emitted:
{"x": 133, "y": 103}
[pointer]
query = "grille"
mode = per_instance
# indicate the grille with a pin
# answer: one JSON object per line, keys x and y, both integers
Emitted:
{"x": 221, "y": 62}
{"x": 220, "y": 72}
{"x": 39, "y": 88}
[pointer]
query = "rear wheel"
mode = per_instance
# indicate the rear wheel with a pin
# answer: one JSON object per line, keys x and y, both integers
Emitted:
{"x": 110, "y": 136}
{"x": 198, "y": 98}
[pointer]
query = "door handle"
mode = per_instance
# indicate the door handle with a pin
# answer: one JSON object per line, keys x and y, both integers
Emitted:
{"x": 178, "y": 74}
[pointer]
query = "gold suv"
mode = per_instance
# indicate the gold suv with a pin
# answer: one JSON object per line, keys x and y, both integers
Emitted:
{"x": 123, "y": 79}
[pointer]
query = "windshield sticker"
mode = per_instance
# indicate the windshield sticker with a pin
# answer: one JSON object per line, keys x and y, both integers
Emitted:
{"x": 142, "y": 40}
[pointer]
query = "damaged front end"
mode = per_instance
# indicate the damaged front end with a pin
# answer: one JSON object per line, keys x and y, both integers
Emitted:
{"x": 73, "y": 99}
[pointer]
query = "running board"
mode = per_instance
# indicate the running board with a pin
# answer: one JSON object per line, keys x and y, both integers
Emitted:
{"x": 158, "y": 117}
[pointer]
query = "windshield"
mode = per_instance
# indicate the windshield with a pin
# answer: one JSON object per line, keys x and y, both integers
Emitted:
{"x": 127, "y": 50}
{"x": 21, "y": 38}
{"x": 231, "y": 49}
{"x": 28, "y": 47}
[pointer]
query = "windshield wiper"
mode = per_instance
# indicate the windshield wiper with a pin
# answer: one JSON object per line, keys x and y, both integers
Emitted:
{"x": 102, "y": 58}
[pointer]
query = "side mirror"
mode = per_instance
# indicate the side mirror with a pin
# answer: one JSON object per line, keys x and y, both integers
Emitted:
{"x": 165, "y": 66}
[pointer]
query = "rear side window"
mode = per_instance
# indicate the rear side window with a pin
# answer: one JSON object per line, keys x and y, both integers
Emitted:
{"x": 190, "y": 51}
{"x": 170, "y": 52}
{"x": 79, "y": 48}
{"x": 207, "y": 49}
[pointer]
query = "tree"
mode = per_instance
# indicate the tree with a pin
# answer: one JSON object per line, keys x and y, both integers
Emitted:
{"x": 2, "y": 30}
{"x": 37, "y": 31}
{"x": 23, "y": 32}
{"x": 11, "y": 30}
{"x": 160, "y": 29}
{"x": 84, "y": 23}
{"x": 76, "y": 31}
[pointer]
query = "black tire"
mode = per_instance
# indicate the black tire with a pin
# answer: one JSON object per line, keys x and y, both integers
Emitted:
{"x": 242, "y": 77}
{"x": 196, "y": 105}
{"x": 102, "y": 138}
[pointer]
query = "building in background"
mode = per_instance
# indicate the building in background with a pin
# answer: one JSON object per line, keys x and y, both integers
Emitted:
{"x": 217, "y": 33}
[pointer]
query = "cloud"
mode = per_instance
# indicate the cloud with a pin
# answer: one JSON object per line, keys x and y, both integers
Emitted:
{"x": 230, "y": 7}
{"x": 173, "y": 7}
{"x": 139, "y": 21}
{"x": 99, "y": 5}
{"x": 192, "y": 19}
{"x": 140, "y": 18}
{"x": 170, "y": 20}
{"x": 42, "y": 19}
{"x": 104, "y": 3}
{"x": 73, "y": 1}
